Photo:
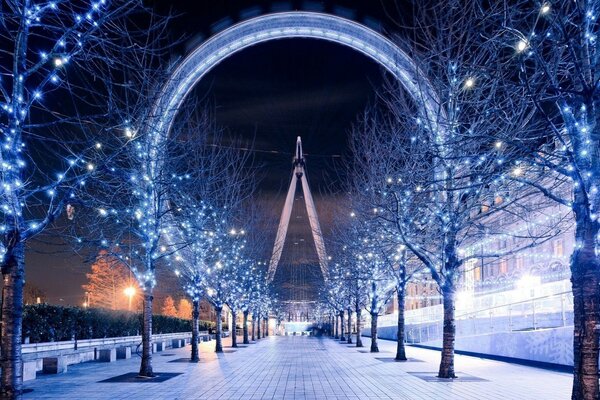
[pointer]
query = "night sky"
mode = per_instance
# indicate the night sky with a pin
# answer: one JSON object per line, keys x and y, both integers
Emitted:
{"x": 270, "y": 93}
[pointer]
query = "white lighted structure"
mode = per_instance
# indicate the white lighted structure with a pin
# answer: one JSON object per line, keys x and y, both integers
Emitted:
{"x": 281, "y": 26}
{"x": 298, "y": 175}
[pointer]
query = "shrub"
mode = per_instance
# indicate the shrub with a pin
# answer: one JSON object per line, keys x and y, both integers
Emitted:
{"x": 50, "y": 323}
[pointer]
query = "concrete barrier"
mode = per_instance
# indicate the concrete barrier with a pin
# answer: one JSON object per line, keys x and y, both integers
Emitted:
{"x": 54, "y": 365}
{"x": 107, "y": 355}
{"x": 123, "y": 352}
{"x": 549, "y": 346}
{"x": 29, "y": 370}
{"x": 78, "y": 351}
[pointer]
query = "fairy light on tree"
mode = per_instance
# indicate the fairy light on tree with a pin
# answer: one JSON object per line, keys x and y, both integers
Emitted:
{"x": 435, "y": 190}
{"x": 560, "y": 143}
{"x": 49, "y": 53}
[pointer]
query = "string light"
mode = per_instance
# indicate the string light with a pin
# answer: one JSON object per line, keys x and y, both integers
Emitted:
{"x": 545, "y": 8}
{"x": 522, "y": 45}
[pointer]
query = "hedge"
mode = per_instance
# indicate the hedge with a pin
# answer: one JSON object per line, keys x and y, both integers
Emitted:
{"x": 50, "y": 323}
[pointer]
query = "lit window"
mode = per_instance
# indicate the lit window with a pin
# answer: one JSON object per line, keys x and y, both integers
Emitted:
{"x": 519, "y": 262}
{"x": 477, "y": 273}
{"x": 503, "y": 267}
{"x": 558, "y": 248}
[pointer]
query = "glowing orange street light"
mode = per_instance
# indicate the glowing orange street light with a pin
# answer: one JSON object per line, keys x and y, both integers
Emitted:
{"x": 129, "y": 292}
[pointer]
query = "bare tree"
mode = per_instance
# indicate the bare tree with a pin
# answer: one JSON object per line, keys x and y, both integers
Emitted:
{"x": 555, "y": 51}
{"x": 220, "y": 278}
{"x": 439, "y": 189}
{"x": 106, "y": 283}
{"x": 335, "y": 295}
{"x": 209, "y": 211}
{"x": 402, "y": 266}
{"x": 168, "y": 307}
{"x": 32, "y": 294}
{"x": 343, "y": 244}
{"x": 53, "y": 53}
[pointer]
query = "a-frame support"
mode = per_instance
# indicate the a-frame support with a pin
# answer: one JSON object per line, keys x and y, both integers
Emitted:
{"x": 299, "y": 174}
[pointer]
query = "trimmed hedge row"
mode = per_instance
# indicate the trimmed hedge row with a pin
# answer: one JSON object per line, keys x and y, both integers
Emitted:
{"x": 50, "y": 323}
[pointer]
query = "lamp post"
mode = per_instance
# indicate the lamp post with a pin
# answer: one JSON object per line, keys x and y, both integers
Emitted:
{"x": 129, "y": 292}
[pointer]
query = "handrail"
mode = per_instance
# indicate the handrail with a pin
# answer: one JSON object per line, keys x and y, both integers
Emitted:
{"x": 32, "y": 348}
{"x": 515, "y": 303}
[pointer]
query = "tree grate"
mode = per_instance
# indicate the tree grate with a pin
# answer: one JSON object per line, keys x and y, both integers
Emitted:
{"x": 133, "y": 377}
{"x": 461, "y": 377}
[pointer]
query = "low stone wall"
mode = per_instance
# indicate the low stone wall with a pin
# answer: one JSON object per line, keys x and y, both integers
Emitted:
{"x": 552, "y": 345}
{"x": 78, "y": 351}
{"x": 57, "y": 356}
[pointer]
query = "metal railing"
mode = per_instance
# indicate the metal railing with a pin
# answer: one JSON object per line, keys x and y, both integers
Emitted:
{"x": 542, "y": 312}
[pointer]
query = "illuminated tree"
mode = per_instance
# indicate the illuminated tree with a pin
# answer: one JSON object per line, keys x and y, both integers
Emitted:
{"x": 33, "y": 294}
{"x": 335, "y": 294}
{"x": 206, "y": 214}
{"x": 402, "y": 266}
{"x": 129, "y": 209}
{"x": 441, "y": 185}
{"x": 59, "y": 65}
{"x": 555, "y": 51}
{"x": 169, "y": 308}
{"x": 252, "y": 277}
{"x": 347, "y": 275}
{"x": 366, "y": 279}
{"x": 107, "y": 282}
{"x": 241, "y": 276}
{"x": 248, "y": 277}
{"x": 184, "y": 309}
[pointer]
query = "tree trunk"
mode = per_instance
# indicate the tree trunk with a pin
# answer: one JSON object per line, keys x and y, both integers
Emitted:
{"x": 337, "y": 330}
{"x": 449, "y": 333}
{"x": 233, "y": 329}
{"x": 253, "y": 327}
{"x": 342, "y": 337}
{"x": 358, "y": 328}
{"x": 219, "y": 333}
{"x": 586, "y": 310}
{"x": 195, "y": 334}
{"x": 349, "y": 326}
{"x": 374, "y": 346}
{"x": 11, "y": 362}
{"x": 258, "y": 323}
{"x": 245, "y": 328}
{"x": 400, "y": 350}
{"x": 146, "y": 366}
{"x": 266, "y": 327}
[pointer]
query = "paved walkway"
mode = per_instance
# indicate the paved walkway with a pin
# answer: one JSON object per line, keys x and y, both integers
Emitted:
{"x": 304, "y": 368}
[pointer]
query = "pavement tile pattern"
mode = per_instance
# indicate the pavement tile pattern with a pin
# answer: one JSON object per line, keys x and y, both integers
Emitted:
{"x": 300, "y": 367}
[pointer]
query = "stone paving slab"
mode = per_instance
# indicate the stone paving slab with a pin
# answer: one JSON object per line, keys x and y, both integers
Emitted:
{"x": 297, "y": 367}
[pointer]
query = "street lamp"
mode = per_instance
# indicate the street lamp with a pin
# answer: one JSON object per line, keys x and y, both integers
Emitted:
{"x": 86, "y": 303}
{"x": 129, "y": 292}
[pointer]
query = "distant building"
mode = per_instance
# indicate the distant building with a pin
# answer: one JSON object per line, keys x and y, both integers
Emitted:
{"x": 542, "y": 268}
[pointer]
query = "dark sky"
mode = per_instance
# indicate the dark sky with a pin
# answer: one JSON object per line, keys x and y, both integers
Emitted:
{"x": 271, "y": 93}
